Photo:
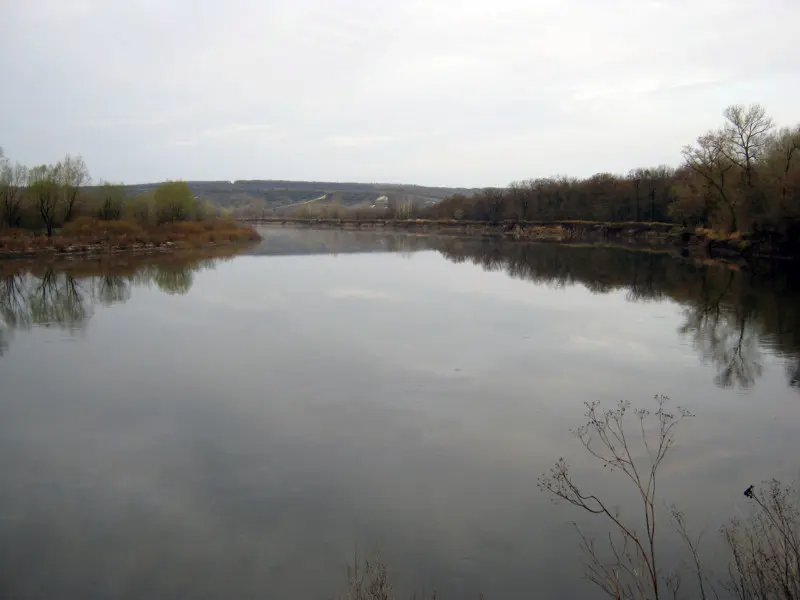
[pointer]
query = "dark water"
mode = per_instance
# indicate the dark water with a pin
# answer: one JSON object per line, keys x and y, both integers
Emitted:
{"x": 236, "y": 428}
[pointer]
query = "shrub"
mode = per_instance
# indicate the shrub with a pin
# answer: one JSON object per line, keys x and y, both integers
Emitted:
{"x": 88, "y": 227}
{"x": 173, "y": 202}
{"x": 141, "y": 210}
{"x": 122, "y": 228}
{"x": 82, "y": 226}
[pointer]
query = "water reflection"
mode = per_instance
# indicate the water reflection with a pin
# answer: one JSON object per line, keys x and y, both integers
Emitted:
{"x": 732, "y": 314}
{"x": 232, "y": 441}
{"x": 793, "y": 371}
{"x": 64, "y": 295}
{"x": 290, "y": 241}
{"x": 726, "y": 342}
{"x": 111, "y": 289}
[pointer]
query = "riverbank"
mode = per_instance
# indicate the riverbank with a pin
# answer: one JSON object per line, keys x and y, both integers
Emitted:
{"x": 89, "y": 237}
{"x": 660, "y": 236}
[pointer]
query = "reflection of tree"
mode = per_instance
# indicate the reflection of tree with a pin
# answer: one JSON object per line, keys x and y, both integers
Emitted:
{"x": 645, "y": 284}
{"x": 67, "y": 298}
{"x": 59, "y": 299}
{"x": 14, "y": 312}
{"x": 51, "y": 299}
{"x": 14, "y": 301}
{"x": 726, "y": 338}
{"x": 110, "y": 289}
{"x": 174, "y": 279}
{"x": 731, "y": 345}
{"x": 731, "y": 314}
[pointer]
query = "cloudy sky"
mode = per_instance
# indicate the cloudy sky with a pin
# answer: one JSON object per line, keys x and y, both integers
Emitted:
{"x": 449, "y": 92}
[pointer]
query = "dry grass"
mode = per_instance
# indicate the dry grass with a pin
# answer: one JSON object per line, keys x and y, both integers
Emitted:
{"x": 369, "y": 580}
{"x": 766, "y": 545}
{"x": 86, "y": 234}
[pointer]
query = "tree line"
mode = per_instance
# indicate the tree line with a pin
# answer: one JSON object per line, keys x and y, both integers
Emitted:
{"x": 743, "y": 176}
{"x": 48, "y": 196}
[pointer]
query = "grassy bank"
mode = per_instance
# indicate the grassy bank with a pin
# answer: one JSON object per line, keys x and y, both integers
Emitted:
{"x": 52, "y": 209}
{"x": 87, "y": 235}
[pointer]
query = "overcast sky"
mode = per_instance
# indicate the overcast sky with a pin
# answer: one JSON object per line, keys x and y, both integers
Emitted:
{"x": 450, "y": 92}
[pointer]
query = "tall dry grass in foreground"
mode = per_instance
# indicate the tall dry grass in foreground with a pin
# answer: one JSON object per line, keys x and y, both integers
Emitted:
{"x": 369, "y": 580}
{"x": 633, "y": 444}
{"x": 764, "y": 562}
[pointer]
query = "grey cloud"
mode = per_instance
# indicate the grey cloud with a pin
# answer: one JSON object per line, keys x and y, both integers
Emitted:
{"x": 470, "y": 92}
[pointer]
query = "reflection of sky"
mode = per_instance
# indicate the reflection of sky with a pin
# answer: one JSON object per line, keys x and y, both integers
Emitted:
{"x": 240, "y": 440}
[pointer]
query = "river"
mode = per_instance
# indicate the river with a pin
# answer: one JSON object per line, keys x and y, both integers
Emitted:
{"x": 237, "y": 427}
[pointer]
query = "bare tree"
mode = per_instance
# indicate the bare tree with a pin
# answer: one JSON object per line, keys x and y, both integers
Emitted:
{"x": 654, "y": 185}
{"x": 73, "y": 174}
{"x": 637, "y": 176}
{"x": 398, "y": 206}
{"x": 14, "y": 180}
{"x": 12, "y": 187}
{"x": 44, "y": 187}
{"x": 785, "y": 147}
{"x": 495, "y": 198}
{"x": 746, "y": 134}
{"x": 633, "y": 571}
{"x": 660, "y": 180}
{"x": 708, "y": 160}
{"x": 110, "y": 201}
{"x": 520, "y": 199}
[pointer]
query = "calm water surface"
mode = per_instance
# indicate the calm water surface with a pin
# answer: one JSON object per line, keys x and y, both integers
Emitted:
{"x": 236, "y": 428}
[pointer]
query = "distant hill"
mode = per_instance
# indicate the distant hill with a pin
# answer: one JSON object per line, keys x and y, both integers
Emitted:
{"x": 258, "y": 197}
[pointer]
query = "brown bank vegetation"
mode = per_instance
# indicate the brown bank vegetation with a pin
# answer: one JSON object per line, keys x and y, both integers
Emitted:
{"x": 52, "y": 209}
{"x": 87, "y": 235}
